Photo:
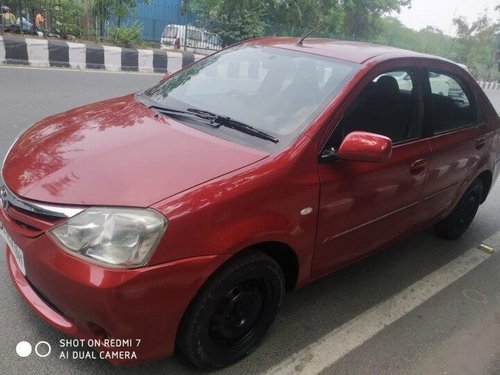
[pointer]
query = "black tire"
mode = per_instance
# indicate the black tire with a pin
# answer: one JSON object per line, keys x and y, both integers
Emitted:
{"x": 457, "y": 222}
{"x": 232, "y": 312}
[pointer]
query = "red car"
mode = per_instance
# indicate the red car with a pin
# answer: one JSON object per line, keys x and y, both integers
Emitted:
{"x": 179, "y": 216}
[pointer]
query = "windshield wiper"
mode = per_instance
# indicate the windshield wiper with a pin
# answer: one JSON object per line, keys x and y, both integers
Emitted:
{"x": 216, "y": 121}
{"x": 233, "y": 124}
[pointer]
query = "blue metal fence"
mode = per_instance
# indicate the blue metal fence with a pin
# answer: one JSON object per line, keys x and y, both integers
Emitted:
{"x": 153, "y": 17}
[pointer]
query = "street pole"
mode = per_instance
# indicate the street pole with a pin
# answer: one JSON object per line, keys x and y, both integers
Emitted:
{"x": 19, "y": 8}
{"x": 185, "y": 23}
{"x": 3, "y": 17}
{"x": 497, "y": 50}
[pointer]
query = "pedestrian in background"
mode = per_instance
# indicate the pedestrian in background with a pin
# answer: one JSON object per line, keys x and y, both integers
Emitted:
{"x": 24, "y": 23}
{"x": 8, "y": 19}
{"x": 39, "y": 21}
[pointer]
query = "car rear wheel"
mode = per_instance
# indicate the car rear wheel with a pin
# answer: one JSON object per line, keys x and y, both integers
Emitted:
{"x": 232, "y": 312}
{"x": 455, "y": 224}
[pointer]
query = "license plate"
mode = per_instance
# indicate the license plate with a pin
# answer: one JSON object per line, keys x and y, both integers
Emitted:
{"x": 16, "y": 251}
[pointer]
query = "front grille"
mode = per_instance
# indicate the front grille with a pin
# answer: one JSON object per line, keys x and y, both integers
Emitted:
{"x": 29, "y": 223}
{"x": 32, "y": 218}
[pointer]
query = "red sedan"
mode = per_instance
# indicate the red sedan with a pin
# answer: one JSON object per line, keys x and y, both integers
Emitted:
{"x": 178, "y": 217}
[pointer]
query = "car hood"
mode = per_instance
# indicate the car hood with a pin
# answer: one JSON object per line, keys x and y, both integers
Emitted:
{"x": 117, "y": 153}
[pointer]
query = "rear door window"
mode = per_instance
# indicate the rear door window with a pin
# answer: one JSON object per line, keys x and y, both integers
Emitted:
{"x": 453, "y": 105}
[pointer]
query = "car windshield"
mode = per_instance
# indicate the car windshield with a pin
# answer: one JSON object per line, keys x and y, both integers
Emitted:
{"x": 274, "y": 90}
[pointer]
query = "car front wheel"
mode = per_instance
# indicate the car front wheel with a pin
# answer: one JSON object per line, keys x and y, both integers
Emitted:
{"x": 232, "y": 312}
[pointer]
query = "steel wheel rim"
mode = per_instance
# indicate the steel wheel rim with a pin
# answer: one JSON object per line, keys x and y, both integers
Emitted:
{"x": 238, "y": 313}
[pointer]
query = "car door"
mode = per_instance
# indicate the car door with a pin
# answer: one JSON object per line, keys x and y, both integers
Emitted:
{"x": 364, "y": 205}
{"x": 458, "y": 139}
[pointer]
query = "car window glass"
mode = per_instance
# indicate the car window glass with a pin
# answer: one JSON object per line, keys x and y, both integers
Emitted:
{"x": 451, "y": 104}
{"x": 388, "y": 106}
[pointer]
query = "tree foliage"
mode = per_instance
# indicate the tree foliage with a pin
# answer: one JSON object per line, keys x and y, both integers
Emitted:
{"x": 351, "y": 19}
{"x": 232, "y": 20}
{"x": 476, "y": 45}
{"x": 362, "y": 17}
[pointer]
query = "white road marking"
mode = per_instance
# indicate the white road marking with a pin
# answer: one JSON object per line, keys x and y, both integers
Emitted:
{"x": 329, "y": 349}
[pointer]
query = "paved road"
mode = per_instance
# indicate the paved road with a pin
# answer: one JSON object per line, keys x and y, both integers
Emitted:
{"x": 425, "y": 306}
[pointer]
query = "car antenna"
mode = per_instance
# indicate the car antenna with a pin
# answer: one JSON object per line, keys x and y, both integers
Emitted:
{"x": 300, "y": 42}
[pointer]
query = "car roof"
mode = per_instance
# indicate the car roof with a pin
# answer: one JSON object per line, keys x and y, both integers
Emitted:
{"x": 356, "y": 52}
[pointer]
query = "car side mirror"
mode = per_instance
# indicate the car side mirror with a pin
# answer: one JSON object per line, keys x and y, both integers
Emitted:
{"x": 364, "y": 146}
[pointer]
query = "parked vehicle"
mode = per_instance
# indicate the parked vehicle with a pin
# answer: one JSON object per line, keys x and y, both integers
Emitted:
{"x": 173, "y": 36}
{"x": 180, "y": 215}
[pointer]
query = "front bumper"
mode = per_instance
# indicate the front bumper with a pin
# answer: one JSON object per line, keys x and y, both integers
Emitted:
{"x": 88, "y": 301}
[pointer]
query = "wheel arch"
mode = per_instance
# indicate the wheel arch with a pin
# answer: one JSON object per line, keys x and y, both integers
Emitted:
{"x": 282, "y": 254}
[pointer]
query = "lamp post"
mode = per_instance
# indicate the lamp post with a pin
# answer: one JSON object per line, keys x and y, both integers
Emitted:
{"x": 19, "y": 10}
{"x": 497, "y": 49}
{"x": 185, "y": 8}
{"x": 3, "y": 21}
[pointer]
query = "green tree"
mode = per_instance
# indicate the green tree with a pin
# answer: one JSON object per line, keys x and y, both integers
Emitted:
{"x": 477, "y": 45}
{"x": 307, "y": 14}
{"x": 362, "y": 17}
{"x": 232, "y": 20}
{"x": 235, "y": 20}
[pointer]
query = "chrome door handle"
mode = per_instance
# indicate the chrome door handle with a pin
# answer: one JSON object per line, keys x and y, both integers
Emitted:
{"x": 418, "y": 166}
{"x": 480, "y": 143}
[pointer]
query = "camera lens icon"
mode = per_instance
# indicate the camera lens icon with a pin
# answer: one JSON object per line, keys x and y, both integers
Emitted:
{"x": 23, "y": 349}
{"x": 42, "y": 349}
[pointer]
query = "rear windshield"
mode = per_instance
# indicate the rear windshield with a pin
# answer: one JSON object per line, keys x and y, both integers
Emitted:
{"x": 274, "y": 90}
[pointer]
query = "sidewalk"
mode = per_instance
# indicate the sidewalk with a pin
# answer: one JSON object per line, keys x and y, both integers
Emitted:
{"x": 58, "y": 53}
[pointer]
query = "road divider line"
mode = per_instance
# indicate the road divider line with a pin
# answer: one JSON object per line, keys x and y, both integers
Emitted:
{"x": 330, "y": 348}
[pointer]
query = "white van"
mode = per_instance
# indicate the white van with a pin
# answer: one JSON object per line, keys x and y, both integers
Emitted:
{"x": 197, "y": 39}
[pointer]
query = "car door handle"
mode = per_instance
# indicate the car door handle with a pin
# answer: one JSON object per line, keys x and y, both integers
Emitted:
{"x": 480, "y": 143}
{"x": 418, "y": 166}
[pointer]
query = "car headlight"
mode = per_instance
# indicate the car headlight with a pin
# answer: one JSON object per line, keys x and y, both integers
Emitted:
{"x": 116, "y": 237}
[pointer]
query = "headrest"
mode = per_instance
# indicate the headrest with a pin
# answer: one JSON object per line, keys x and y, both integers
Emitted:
{"x": 387, "y": 86}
